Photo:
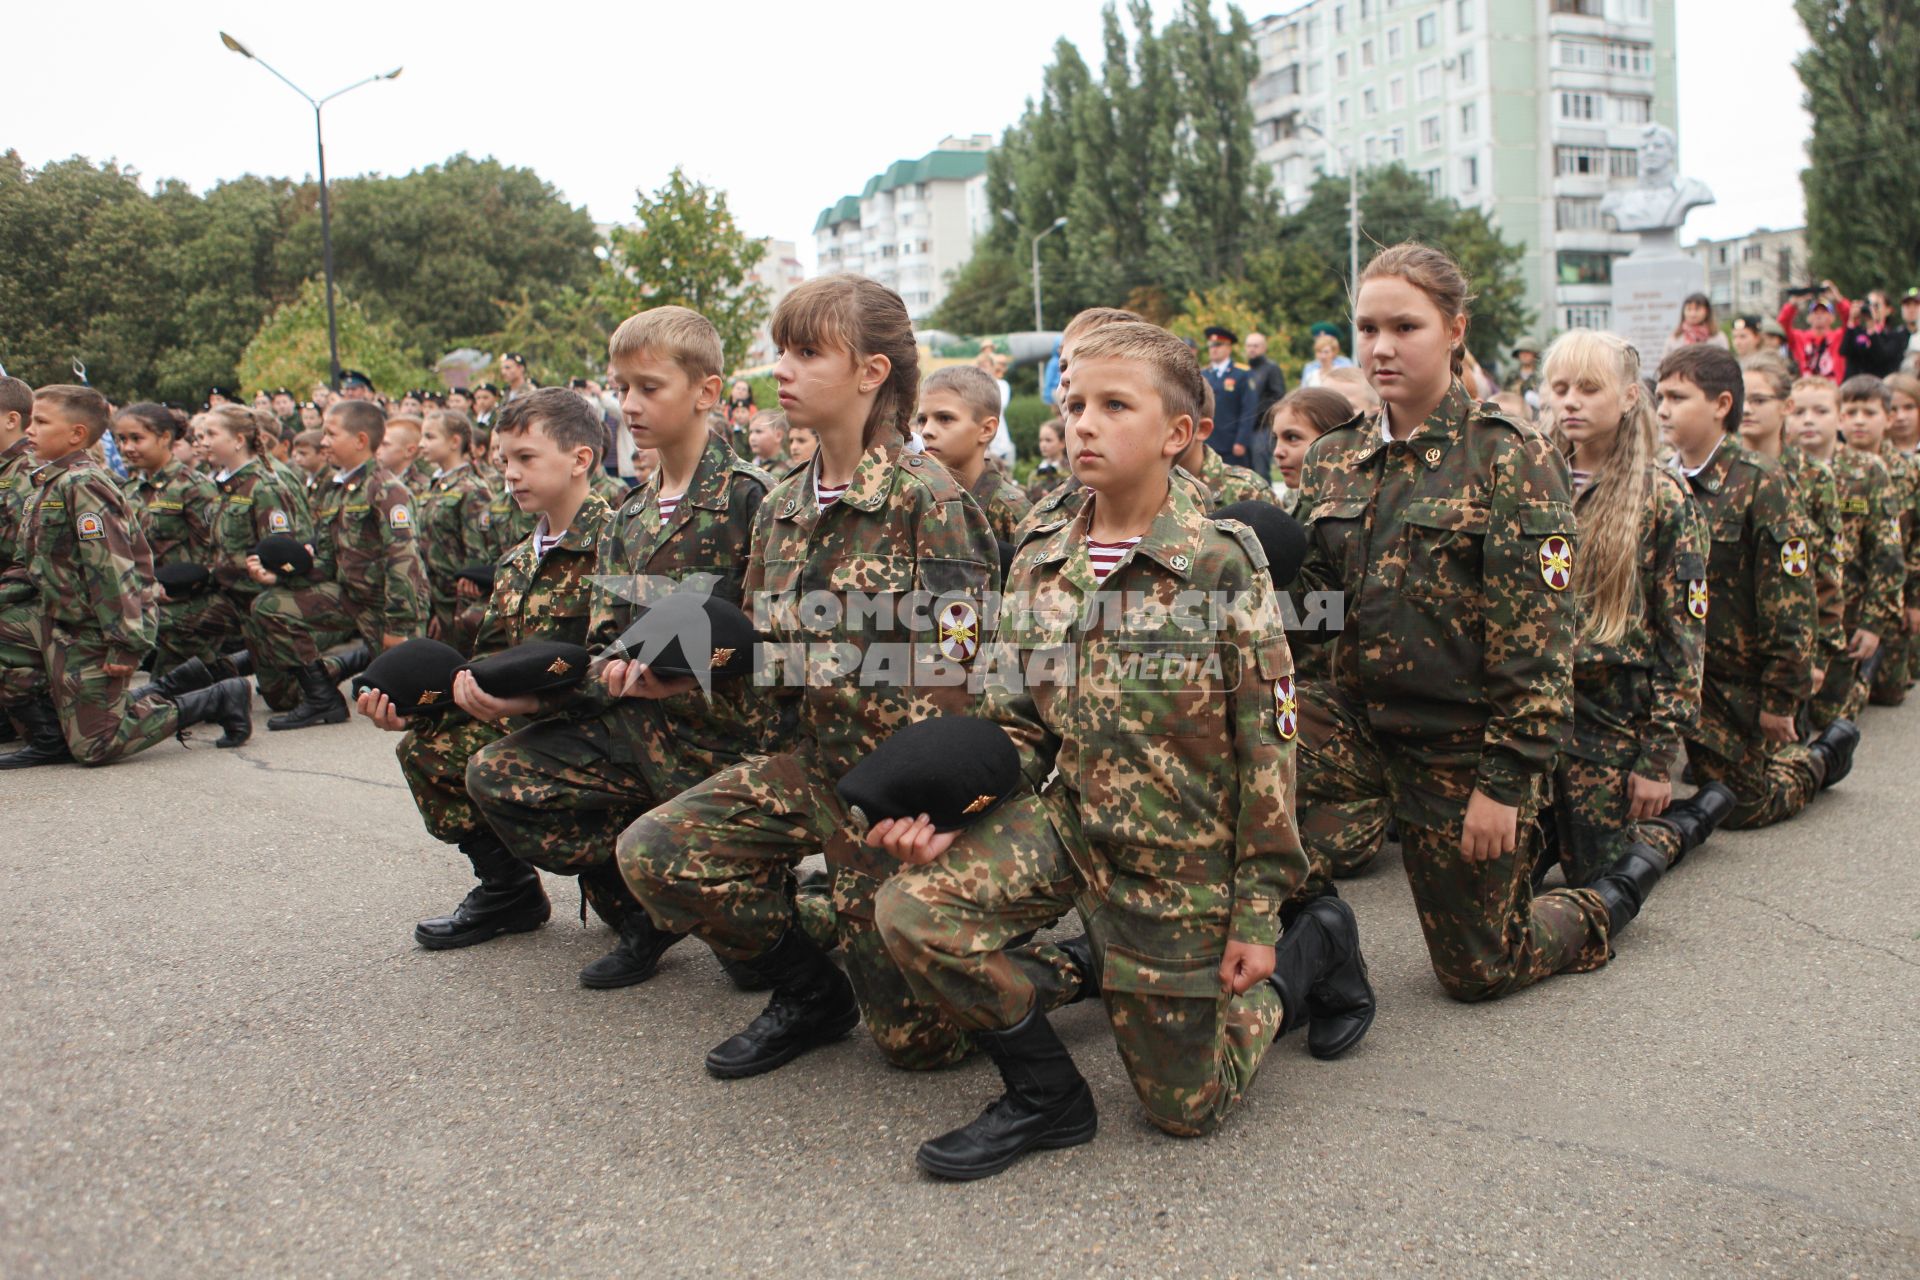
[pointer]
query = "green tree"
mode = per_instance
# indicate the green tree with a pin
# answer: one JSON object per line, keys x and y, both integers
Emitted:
{"x": 1862, "y": 186}
{"x": 290, "y": 350}
{"x": 687, "y": 250}
{"x": 563, "y": 336}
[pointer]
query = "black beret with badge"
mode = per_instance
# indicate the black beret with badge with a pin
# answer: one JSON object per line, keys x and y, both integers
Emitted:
{"x": 537, "y": 666}
{"x": 283, "y": 555}
{"x": 183, "y": 581}
{"x": 480, "y": 575}
{"x": 416, "y": 675}
{"x": 678, "y": 631}
{"x": 954, "y": 769}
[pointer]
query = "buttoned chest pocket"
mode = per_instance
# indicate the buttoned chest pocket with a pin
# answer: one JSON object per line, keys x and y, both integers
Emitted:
{"x": 1444, "y": 548}
{"x": 1339, "y": 532}
{"x": 1727, "y": 559}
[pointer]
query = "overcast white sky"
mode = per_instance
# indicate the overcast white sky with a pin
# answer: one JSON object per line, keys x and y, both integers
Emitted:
{"x": 786, "y": 107}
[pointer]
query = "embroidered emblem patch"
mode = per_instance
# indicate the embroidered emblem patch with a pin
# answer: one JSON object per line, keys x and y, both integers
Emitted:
{"x": 277, "y": 522}
{"x": 486, "y": 519}
{"x": 1697, "y": 597}
{"x": 1227, "y": 383}
{"x": 1793, "y": 557}
{"x": 90, "y": 527}
{"x": 1286, "y": 708}
{"x": 400, "y": 517}
{"x": 979, "y": 803}
{"x": 1556, "y": 562}
{"x": 959, "y": 631}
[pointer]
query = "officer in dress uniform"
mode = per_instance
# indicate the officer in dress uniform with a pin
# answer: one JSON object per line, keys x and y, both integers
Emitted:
{"x": 1234, "y": 398}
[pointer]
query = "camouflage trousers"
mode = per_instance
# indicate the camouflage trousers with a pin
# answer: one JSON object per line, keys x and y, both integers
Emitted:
{"x": 1347, "y": 840}
{"x": 1487, "y": 935}
{"x": 1897, "y": 669}
{"x": 556, "y": 796}
{"x": 1591, "y": 818}
{"x": 41, "y": 659}
{"x": 1771, "y": 783}
{"x": 206, "y": 626}
{"x": 287, "y": 627}
{"x": 433, "y": 759}
{"x": 455, "y": 621}
{"x": 717, "y": 861}
{"x": 1190, "y": 1048}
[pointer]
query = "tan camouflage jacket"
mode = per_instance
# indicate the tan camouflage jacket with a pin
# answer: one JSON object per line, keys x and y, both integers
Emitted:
{"x": 364, "y": 540}
{"x": 1877, "y": 570}
{"x": 84, "y": 551}
{"x": 177, "y": 507}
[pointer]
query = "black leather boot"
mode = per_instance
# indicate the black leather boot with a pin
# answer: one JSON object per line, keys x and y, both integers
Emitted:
{"x": 1322, "y": 978}
{"x": 1697, "y": 817}
{"x": 1549, "y": 846}
{"x": 344, "y": 664}
{"x": 228, "y": 704}
{"x": 239, "y": 663}
{"x": 187, "y": 677}
{"x": 1627, "y": 885}
{"x": 320, "y": 702}
{"x": 1834, "y": 749}
{"x": 46, "y": 743}
{"x": 1047, "y": 1105}
{"x": 812, "y": 1005}
{"x": 634, "y": 958}
{"x": 508, "y": 899}
{"x": 1080, "y": 951}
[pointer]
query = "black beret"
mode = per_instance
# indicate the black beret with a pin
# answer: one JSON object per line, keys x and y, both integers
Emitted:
{"x": 1283, "y": 538}
{"x": 416, "y": 675}
{"x": 355, "y": 378}
{"x": 533, "y": 667}
{"x": 1222, "y": 332}
{"x": 182, "y": 580}
{"x": 954, "y": 769}
{"x": 280, "y": 554}
{"x": 481, "y": 575}
{"x": 488, "y": 386}
{"x": 680, "y": 630}
{"x": 225, "y": 393}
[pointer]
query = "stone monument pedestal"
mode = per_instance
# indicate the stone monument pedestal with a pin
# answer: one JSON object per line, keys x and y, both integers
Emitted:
{"x": 1649, "y": 286}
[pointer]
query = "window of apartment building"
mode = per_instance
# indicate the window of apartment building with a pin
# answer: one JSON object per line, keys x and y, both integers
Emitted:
{"x": 1432, "y": 178}
{"x": 1580, "y": 106}
{"x": 1623, "y": 162}
{"x": 1469, "y": 119}
{"x": 1426, "y": 31}
{"x": 1313, "y": 77}
{"x": 1339, "y": 19}
{"x": 1753, "y": 253}
{"x": 1584, "y": 8}
{"x": 1397, "y": 92}
{"x": 1636, "y": 59}
{"x": 1463, "y": 15}
{"x": 1786, "y": 266}
{"x": 1313, "y": 33}
{"x": 1585, "y": 317}
{"x": 1397, "y": 143}
{"x": 1632, "y": 109}
{"x": 1631, "y": 10}
{"x": 1469, "y": 174}
{"x": 1429, "y": 83}
{"x": 1340, "y": 112}
{"x": 1366, "y": 54}
{"x": 1466, "y": 66}
{"x": 1586, "y": 266}
{"x": 1722, "y": 253}
{"x": 1370, "y": 101}
{"x": 1579, "y": 53}
{"x": 1340, "y": 65}
{"x": 1755, "y": 286}
{"x": 1577, "y": 213}
{"x": 1366, "y": 9}
{"x": 1394, "y": 43}
{"x": 1372, "y": 150}
{"x": 1579, "y": 162}
{"x": 1430, "y": 132}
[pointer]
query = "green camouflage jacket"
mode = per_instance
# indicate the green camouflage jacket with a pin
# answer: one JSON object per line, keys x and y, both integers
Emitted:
{"x": 537, "y": 598}
{"x": 364, "y": 540}
{"x": 454, "y": 530}
{"x": 84, "y": 551}
{"x": 177, "y": 507}
{"x": 1877, "y": 570}
{"x": 1227, "y": 484}
{"x": 254, "y": 504}
{"x": 1005, "y": 505}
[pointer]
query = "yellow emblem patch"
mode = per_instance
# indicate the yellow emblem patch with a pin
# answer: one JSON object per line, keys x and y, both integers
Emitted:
{"x": 1793, "y": 557}
{"x": 959, "y": 631}
{"x": 1556, "y": 562}
{"x": 400, "y": 517}
{"x": 1286, "y": 708}
{"x": 428, "y": 698}
{"x": 1697, "y": 597}
{"x": 90, "y": 527}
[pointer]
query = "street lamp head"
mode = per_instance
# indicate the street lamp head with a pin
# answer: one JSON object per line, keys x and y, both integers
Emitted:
{"x": 393, "y": 74}
{"x": 1059, "y": 222}
{"x": 235, "y": 45}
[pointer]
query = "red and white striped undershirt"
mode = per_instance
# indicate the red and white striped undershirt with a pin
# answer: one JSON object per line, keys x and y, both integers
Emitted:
{"x": 670, "y": 503}
{"x": 1105, "y": 557}
{"x": 824, "y": 496}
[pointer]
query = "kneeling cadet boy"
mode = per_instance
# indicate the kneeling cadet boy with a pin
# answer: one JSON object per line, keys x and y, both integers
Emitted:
{"x": 1170, "y": 821}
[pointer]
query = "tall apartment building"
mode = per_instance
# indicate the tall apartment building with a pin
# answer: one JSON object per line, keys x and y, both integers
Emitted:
{"x": 779, "y": 270}
{"x": 1528, "y": 109}
{"x": 913, "y": 224}
{"x": 1750, "y": 274}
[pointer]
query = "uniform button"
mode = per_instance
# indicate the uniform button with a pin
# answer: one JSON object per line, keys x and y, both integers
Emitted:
{"x": 916, "y": 460}
{"x": 790, "y": 508}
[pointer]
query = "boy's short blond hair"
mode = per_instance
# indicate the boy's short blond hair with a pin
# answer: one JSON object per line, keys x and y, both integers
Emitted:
{"x": 979, "y": 392}
{"x": 1169, "y": 362}
{"x": 1814, "y": 382}
{"x": 307, "y": 440}
{"x": 1098, "y": 317}
{"x": 79, "y": 404}
{"x": 406, "y": 422}
{"x": 681, "y": 334}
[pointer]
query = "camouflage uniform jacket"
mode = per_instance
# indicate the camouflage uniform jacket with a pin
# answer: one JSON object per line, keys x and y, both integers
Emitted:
{"x": 1065, "y": 502}
{"x": 16, "y": 464}
{"x": 1047, "y": 477}
{"x": 1454, "y": 548}
{"x": 1003, "y": 502}
{"x": 1760, "y": 626}
{"x": 177, "y": 507}
{"x": 684, "y": 739}
{"x": 1635, "y": 699}
{"x": 1905, "y": 470}
{"x": 1182, "y": 785}
{"x": 454, "y": 529}
{"x": 416, "y": 477}
{"x": 85, "y": 552}
{"x": 1227, "y": 484}
{"x": 254, "y": 504}
{"x": 610, "y": 488}
{"x": 296, "y": 485}
{"x": 1819, "y": 502}
{"x": 364, "y": 540}
{"x": 1877, "y": 570}
{"x": 506, "y": 524}
{"x": 545, "y": 598}
{"x": 904, "y": 525}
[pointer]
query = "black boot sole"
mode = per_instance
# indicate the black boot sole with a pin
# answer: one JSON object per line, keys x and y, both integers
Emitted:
{"x": 524, "y": 923}
{"x": 1326, "y": 1052}
{"x": 1071, "y": 1133}
{"x": 838, "y": 1029}
{"x": 630, "y": 977}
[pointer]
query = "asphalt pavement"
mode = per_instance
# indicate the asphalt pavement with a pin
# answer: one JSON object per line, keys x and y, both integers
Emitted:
{"x": 221, "y": 1054}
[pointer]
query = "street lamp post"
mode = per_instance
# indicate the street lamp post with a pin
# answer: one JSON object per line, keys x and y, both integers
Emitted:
{"x": 326, "y": 214}
{"x": 1353, "y": 233}
{"x": 1057, "y": 224}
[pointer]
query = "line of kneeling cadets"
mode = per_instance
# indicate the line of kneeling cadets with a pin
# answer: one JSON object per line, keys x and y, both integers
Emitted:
{"x": 1528, "y": 628}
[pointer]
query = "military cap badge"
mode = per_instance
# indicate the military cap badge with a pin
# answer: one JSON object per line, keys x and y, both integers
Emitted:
{"x": 721, "y": 657}
{"x": 980, "y": 803}
{"x": 559, "y": 666}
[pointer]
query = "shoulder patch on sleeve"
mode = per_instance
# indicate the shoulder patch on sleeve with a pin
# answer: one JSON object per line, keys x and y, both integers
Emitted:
{"x": 89, "y": 527}
{"x": 400, "y": 517}
{"x": 277, "y": 522}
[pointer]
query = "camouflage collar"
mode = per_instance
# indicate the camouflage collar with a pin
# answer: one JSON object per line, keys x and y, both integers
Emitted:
{"x": 347, "y": 479}
{"x": 1172, "y": 541}
{"x": 1433, "y": 438}
{"x": 72, "y": 461}
{"x": 708, "y": 488}
{"x": 987, "y": 485}
{"x": 18, "y": 448}
{"x": 171, "y": 469}
{"x": 583, "y": 532}
{"x": 1712, "y": 476}
{"x": 872, "y": 480}
{"x": 1213, "y": 469}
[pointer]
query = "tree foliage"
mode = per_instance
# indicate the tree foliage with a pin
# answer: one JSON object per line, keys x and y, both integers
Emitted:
{"x": 1862, "y": 186}
{"x": 687, "y": 250}
{"x": 290, "y": 350}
